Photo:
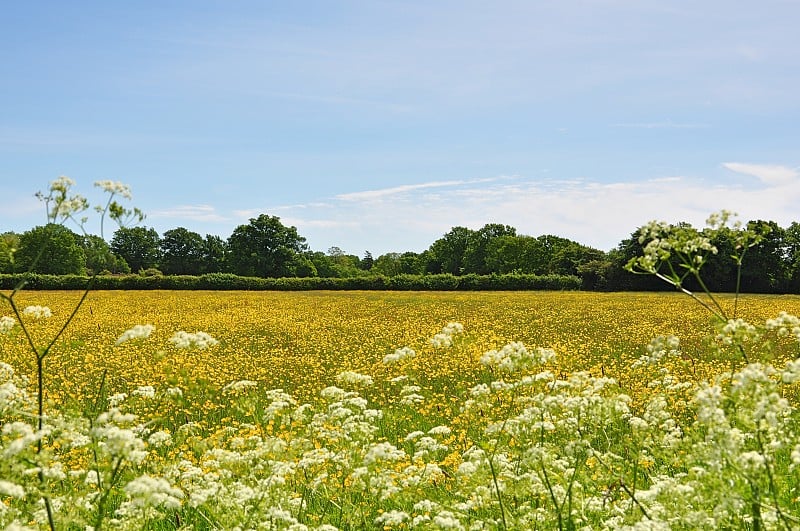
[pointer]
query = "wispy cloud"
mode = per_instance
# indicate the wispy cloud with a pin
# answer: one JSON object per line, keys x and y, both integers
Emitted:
{"x": 595, "y": 213}
{"x": 373, "y": 195}
{"x": 766, "y": 173}
{"x": 203, "y": 213}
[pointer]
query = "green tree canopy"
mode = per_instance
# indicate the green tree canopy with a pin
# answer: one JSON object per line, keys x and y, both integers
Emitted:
{"x": 475, "y": 254}
{"x": 215, "y": 254}
{"x": 100, "y": 257}
{"x": 265, "y": 247}
{"x": 182, "y": 252}
{"x": 446, "y": 255}
{"x": 138, "y": 246}
{"x": 50, "y": 249}
{"x": 9, "y": 242}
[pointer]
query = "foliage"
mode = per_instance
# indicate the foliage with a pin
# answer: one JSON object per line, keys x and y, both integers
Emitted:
{"x": 181, "y": 252}
{"x": 99, "y": 257}
{"x": 266, "y": 248}
{"x": 9, "y": 242}
{"x": 51, "y": 250}
{"x": 138, "y": 246}
{"x": 154, "y": 279}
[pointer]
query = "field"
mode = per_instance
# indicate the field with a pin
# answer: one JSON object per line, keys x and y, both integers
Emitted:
{"x": 476, "y": 463}
{"x": 300, "y": 341}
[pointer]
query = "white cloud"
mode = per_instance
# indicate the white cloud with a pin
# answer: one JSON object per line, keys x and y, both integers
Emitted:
{"x": 766, "y": 173}
{"x": 205, "y": 213}
{"x": 599, "y": 214}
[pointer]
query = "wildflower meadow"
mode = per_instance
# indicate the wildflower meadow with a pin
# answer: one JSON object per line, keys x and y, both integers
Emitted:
{"x": 376, "y": 410}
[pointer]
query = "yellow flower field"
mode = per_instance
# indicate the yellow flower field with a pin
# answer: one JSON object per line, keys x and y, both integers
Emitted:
{"x": 401, "y": 410}
{"x": 299, "y": 341}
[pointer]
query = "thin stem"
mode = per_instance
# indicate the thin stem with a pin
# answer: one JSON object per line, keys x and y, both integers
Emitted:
{"x": 738, "y": 281}
{"x": 692, "y": 295}
{"x": 552, "y": 495}
{"x": 497, "y": 490}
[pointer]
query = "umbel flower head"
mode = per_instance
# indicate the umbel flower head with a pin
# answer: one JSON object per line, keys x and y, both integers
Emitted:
{"x": 137, "y": 332}
{"x": 37, "y": 312}
{"x": 199, "y": 340}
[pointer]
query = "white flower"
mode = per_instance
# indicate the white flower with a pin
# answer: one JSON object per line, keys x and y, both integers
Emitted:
{"x": 159, "y": 439}
{"x": 154, "y": 492}
{"x": 11, "y": 489}
{"x": 37, "y": 312}
{"x": 392, "y": 518}
{"x": 175, "y": 392}
{"x": 114, "y": 187}
{"x": 445, "y": 337}
{"x": 137, "y": 332}
{"x": 399, "y": 354}
{"x": 240, "y": 385}
{"x": 199, "y": 340}
{"x": 6, "y": 324}
{"x": 145, "y": 391}
{"x": 439, "y": 430}
{"x": 354, "y": 379}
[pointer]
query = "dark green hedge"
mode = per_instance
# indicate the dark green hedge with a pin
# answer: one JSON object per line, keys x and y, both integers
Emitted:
{"x": 226, "y": 281}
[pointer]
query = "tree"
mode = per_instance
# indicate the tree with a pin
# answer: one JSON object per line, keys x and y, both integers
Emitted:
{"x": 215, "y": 254}
{"x": 792, "y": 256}
{"x": 763, "y": 265}
{"x": 446, "y": 255}
{"x": 182, "y": 252}
{"x": 366, "y": 262}
{"x": 9, "y": 242}
{"x": 515, "y": 254}
{"x": 619, "y": 279}
{"x": 475, "y": 254}
{"x": 138, "y": 246}
{"x": 50, "y": 249}
{"x": 393, "y": 264}
{"x": 99, "y": 256}
{"x": 266, "y": 248}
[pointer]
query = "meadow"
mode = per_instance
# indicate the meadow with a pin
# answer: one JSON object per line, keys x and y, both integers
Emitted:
{"x": 301, "y": 341}
{"x": 399, "y": 410}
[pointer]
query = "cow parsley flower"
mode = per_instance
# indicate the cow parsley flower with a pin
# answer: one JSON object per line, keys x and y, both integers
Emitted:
{"x": 398, "y": 355}
{"x": 151, "y": 491}
{"x": 6, "y": 324}
{"x": 392, "y": 518}
{"x": 199, "y": 340}
{"x": 145, "y": 391}
{"x": 37, "y": 312}
{"x": 354, "y": 379}
{"x": 445, "y": 337}
{"x": 11, "y": 489}
{"x": 115, "y": 187}
{"x": 137, "y": 332}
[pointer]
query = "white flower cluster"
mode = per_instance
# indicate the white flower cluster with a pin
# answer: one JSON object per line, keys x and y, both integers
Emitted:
{"x": 398, "y": 355}
{"x": 354, "y": 379}
{"x": 785, "y": 324}
{"x": 115, "y": 188}
{"x": 240, "y": 386}
{"x": 515, "y": 356}
{"x": 137, "y": 332}
{"x": 200, "y": 340}
{"x": 737, "y": 332}
{"x": 37, "y": 312}
{"x": 659, "y": 348}
{"x": 445, "y": 337}
{"x": 6, "y": 324}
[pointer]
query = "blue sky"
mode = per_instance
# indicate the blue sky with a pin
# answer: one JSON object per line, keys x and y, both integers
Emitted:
{"x": 379, "y": 125}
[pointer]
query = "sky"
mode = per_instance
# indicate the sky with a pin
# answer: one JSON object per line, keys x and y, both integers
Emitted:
{"x": 380, "y": 125}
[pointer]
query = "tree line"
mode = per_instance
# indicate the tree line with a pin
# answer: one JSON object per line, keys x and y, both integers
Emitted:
{"x": 267, "y": 248}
